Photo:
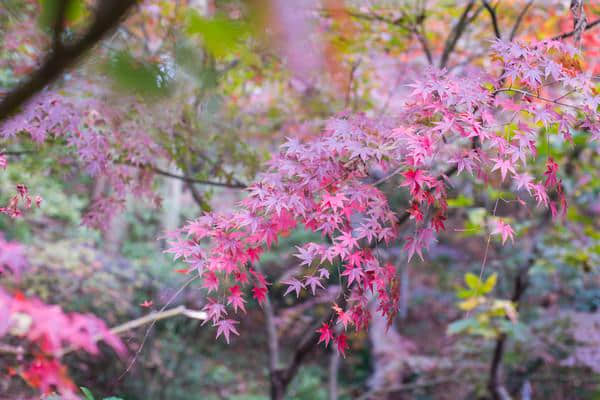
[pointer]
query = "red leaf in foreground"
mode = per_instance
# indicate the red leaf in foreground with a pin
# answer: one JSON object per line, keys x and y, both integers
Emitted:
{"x": 326, "y": 334}
{"x": 147, "y": 304}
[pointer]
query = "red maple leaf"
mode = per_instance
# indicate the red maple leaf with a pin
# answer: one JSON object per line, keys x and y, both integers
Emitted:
{"x": 326, "y": 334}
{"x": 260, "y": 294}
{"x": 236, "y": 299}
{"x": 147, "y": 304}
{"x": 342, "y": 344}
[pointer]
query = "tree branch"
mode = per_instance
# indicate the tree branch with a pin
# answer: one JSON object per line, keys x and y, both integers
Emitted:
{"x": 518, "y": 21}
{"x": 529, "y": 94}
{"x": 573, "y": 32}
{"x": 456, "y": 33}
{"x": 59, "y": 24}
{"x": 125, "y": 327}
{"x": 235, "y": 185}
{"x": 492, "y": 11}
{"x": 157, "y": 316}
{"x": 497, "y": 389}
{"x": 579, "y": 20}
{"x": 108, "y": 15}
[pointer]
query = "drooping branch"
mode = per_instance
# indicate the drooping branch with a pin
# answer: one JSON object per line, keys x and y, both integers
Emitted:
{"x": 108, "y": 15}
{"x": 157, "y": 316}
{"x": 415, "y": 27}
{"x": 529, "y": 94}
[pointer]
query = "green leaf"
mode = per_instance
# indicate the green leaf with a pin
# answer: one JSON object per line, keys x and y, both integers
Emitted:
{"x": 465, "y": 293}
{"x": 472, "y": 280}
{"x": 138, "y": 76}
{"x": 221, "y": 36}
{"x": 87, "y": 393}
{"x": 517, "y": 330}
{"x": 49, "y": 12}
{"x": 460, "y": 201}
{"x": 490, "y": 283}
{"x": 461, "y": 325}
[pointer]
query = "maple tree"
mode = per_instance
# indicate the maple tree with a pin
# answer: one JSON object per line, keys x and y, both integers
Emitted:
{"x": 497, "y": 122}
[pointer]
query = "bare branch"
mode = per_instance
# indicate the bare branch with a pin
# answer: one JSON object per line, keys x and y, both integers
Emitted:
{"x": 420, "y": 34}
{"x": 457, "y": 32}
{"x": 492, "y": 11}
{"x": 579, "y": 20}
{"x": 571, "y": 33}
{"x": 518, "y": 21}
{"x": 59, "y": 24}
{"x": 185, "y": 178}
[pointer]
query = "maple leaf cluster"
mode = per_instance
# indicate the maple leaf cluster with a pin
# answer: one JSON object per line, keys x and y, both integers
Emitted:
{"x": 21, "y": 197}
{"x": 325, "y": 184}
{"x": 51, "y": 332}
{"x": 104, "y": 143}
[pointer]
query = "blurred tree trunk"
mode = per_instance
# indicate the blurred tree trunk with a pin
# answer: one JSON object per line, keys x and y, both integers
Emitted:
{"x": 334, "y": 366}
{"x": 404, "y": 292}
{"x": 172, "y": 201}
{"x": 388, "y": 350}
{"x": 113, "y": 240}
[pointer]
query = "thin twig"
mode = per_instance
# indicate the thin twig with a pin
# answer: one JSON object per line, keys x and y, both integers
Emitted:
{"x": 167, "y": 304}
{"x": 571, "y": 33}
{"x": 234, "y": 185}
{"x": 526, "y": 93}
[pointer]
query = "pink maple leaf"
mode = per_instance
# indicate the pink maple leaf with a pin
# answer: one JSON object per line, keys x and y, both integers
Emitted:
{"x": 503, "y": 229}
{"x": 503, "y": 165}
{"x": 226, "y": 327}
{"x": 147, "y": 304}
{"x": 214, "y": 311}
{"x": 353, "y": 274}
{"x": 294, "y": 286}
{"x": 313, "y": 282}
